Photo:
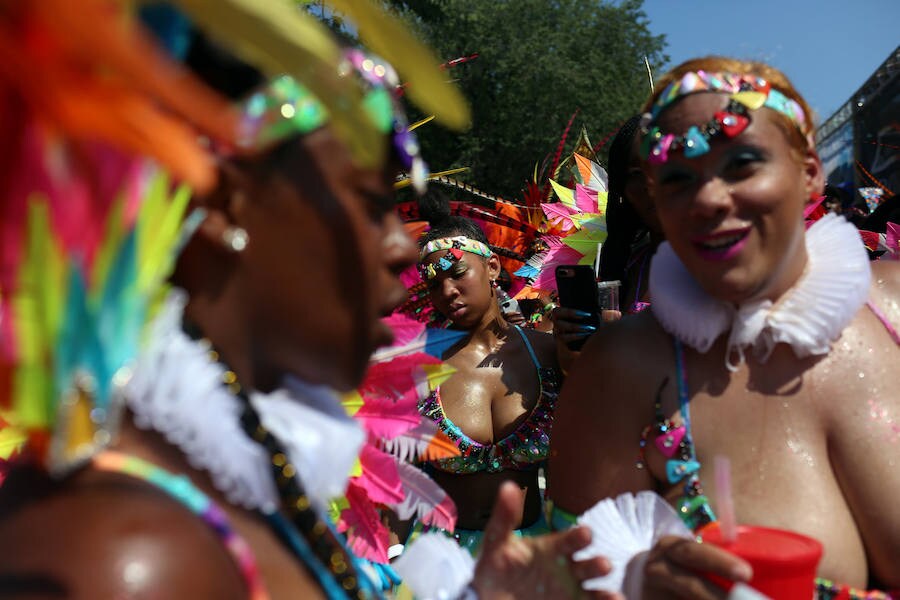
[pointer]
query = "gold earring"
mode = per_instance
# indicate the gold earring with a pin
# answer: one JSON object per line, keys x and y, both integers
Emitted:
{"x": 235, "y": 239}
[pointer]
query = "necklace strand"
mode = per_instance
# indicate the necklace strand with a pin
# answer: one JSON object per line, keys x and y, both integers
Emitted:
{"x": 294, "y": 500}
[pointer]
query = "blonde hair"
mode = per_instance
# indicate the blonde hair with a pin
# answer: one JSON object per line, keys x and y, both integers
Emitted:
{"x": 799, "y": 135}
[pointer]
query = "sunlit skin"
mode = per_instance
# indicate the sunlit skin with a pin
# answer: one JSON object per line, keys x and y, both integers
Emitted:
{"x": 253, "y": 306}
{"x": 495, "y": 388}
{"x": 754, "y": 186}
{"x": 805, "y": 453}
{"x": 315, "y": 221}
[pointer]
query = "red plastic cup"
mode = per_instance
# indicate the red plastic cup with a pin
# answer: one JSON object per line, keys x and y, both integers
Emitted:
{"x": 784, "y": 563}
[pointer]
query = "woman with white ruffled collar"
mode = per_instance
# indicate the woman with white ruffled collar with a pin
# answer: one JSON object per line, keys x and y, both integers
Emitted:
{"x": 767, "y": 343}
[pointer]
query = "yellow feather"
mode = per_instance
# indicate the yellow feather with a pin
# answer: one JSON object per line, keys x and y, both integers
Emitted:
{"x": 406, "y": 182}
{"x": 428, "y": 87}
{"x": 565, "y": 195}
{"x": 158, "y": 228}
{"x": 279, "y": 38}
{"x": 109, "y": 248}
{"x": 37, "y": 306}
{"x": 421, "y": 122}
{"x": 352, "y": 402}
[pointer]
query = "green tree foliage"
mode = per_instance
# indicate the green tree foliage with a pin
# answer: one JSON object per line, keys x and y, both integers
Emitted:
{"x": 539, "y": 61}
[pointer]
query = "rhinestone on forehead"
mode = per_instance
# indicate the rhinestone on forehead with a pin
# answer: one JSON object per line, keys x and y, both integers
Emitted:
{"x": 746, "y": 93}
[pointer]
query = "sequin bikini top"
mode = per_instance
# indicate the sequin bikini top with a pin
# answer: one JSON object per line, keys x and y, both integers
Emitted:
{"x": 675, "y": 442}
{"x": 521, "y": 450}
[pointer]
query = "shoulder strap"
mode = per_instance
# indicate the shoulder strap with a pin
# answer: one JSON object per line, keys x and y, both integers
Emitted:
{"x": 534, "y": 359}
{"x": 180, "y": 488}
{"x": 892, "y": 331}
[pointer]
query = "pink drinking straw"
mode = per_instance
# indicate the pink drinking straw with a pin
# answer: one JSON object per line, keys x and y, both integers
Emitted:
{"x": 724, "y": 499}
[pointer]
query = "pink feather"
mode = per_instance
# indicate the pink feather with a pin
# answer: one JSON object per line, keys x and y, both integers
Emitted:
{"x": 396, "y": 378}
{"x": 425, "y": 499}
{"x": 422, "y": 442}
{"x": 390, "y": 395}
{"x": 406, "y": 329}
{"x": 410, "y": 277}
{"x": 892, "y": 241}
{"x": 443, "y": 515}
{"x": 379, "y": 478}
{"x": 366, "y": 535}
{"x": 385, "y": 419}
{"x": 559, "y": 215}
{"x": 558, "y": 254}
{"x": 585, "y": 199}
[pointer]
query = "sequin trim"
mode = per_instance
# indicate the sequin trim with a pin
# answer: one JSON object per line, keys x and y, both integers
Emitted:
{"x": 675, "y": 441}
{"x": 521, "y": 450}
{"x": 693, "y": 506}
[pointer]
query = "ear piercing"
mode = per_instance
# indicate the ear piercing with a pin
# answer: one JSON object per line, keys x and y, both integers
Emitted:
{"x": 235, "y": 239}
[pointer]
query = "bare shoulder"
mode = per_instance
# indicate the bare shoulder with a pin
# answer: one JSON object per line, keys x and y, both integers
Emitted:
{"x": 622, "y": 355}
{"x": 886, "y": 281}
{"x": 606, "y": 402}
{"x": 106, "y": 535}
{"x": 544, "y": 346}
{"x": 862, "y": 408}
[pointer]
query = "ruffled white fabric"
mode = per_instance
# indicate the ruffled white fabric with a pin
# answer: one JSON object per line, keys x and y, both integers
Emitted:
{"x": 435, "y": 567}
{"x": 177, "y": 390}
{"x": 740, "y": 591}
{"x": 809, "y": 317}
{"x": 623, "y": 529}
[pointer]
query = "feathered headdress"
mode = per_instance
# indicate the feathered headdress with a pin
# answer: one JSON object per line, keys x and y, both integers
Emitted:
{"x": 89, "y": 227}
{"x": 387, "y": 406}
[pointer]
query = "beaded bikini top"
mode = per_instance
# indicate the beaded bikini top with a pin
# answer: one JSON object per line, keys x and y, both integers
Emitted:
{"x": 521, "y": 450}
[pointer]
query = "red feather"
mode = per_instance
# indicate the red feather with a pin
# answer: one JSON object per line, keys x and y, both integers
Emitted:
{"x": 559, "y": 151}
{"x": 367, "y": 536}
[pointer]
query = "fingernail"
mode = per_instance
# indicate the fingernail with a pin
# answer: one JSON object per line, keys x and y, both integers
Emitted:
{"x": 742, "y": 572}
{"x": 582, "y": 334}
{"x": 583, "y": 314}
{"x": 587, "y": 328}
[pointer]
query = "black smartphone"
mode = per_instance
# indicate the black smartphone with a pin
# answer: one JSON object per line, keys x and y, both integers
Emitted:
{"x": 577, "y": 286}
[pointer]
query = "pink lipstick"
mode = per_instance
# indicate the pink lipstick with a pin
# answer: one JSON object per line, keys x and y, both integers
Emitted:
{"x": 721, "y": 245}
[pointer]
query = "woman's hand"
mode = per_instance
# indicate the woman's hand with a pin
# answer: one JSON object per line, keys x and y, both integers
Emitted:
{"x": 571, "y": 326}
{"x": 673, "y": 566}
{"x": 538, "y": 567}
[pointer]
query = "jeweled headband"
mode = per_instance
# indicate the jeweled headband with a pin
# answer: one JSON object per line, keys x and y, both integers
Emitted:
{"x": 455, "y": 246}
{"x": 285, "y": 107}
{"x": 746, "y": 93}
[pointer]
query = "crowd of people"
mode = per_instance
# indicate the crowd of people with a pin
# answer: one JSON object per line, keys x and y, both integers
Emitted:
{"x": 200, "y": 246}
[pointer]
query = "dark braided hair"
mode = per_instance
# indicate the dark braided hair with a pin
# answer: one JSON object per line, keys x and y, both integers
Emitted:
{"x": 434, "y": 207}
{"x": 622, "y": 221}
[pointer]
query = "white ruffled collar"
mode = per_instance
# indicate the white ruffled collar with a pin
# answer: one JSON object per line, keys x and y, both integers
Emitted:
{"x": 177, "y": 390}
{"x": 809, "y": 317}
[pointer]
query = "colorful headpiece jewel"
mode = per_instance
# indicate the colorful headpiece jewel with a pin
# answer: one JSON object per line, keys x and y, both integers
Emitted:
{"x": 746, "y": 93}
{"x": 455, "y": 246}
{"x": 285, "y": 107}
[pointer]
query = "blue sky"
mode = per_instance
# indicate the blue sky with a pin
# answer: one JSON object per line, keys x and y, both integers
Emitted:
{"x": 828, "y": 48}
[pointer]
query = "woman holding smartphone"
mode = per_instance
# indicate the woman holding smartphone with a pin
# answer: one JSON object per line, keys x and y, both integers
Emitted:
{"x": 634, "y": 235}
{"x": 498, "y": 407}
